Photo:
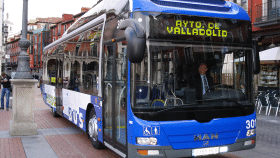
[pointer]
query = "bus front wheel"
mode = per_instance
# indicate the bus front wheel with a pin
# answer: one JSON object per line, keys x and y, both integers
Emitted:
{"x": 93, "y": 130}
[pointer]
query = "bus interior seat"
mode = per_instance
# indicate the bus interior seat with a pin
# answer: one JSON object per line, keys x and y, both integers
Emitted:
{"x": 158, "y": 102}
{"x": 157, "y": 96}
{"x": 156, "y": 93}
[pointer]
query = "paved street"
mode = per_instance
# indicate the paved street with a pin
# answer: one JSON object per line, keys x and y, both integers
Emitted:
{"x": 268, "y": 138}
{"x": 59, "y": 138}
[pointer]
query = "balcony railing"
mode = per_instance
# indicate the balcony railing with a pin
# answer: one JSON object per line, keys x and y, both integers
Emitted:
{"x": 268, "y": 11}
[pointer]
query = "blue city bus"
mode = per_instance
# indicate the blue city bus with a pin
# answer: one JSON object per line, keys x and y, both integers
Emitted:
{"x": 157, "y": 78}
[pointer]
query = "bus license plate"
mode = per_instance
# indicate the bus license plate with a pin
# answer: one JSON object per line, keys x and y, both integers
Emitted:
{"x": 205, "y": 151}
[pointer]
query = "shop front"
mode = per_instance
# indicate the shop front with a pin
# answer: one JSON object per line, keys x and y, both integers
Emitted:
{"x": 269, "y": 76}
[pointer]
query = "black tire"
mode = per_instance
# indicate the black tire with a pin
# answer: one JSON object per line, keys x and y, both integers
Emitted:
{"x": 54, "y": 113}
{"x": 93, "y": 130}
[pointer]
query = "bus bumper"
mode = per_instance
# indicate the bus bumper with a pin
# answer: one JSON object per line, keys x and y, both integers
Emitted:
{"x": 167, "y": 151}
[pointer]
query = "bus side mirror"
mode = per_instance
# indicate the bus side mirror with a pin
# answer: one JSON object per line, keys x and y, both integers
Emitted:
{"x": 256, "y": 58}
{"x": 136, "y": 40}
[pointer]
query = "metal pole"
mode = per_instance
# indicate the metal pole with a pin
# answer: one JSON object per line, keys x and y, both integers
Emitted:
{"x": 6, "y": 64}
{"x": 23, "y": 69}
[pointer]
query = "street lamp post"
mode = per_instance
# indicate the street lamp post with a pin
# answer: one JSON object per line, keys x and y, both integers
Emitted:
{"x": 6, "y": 39}
{"x": 23, "y": 88}
{"x": 23, "y": 68}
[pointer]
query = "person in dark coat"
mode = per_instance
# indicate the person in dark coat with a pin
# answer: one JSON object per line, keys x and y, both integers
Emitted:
{"x": 5, "y": 81}
{"x": 202, "y": 81}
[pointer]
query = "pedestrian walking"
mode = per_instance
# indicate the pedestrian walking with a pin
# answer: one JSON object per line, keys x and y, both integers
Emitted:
{"x": 5, "y": 81}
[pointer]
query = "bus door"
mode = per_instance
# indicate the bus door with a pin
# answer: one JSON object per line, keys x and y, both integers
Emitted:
{"x": 59, "y": 84}
{"x": 115, "y": 92}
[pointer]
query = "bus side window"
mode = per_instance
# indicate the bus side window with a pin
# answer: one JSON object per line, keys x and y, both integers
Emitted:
{"x": 89, "y": 84}
{"x": 52, "y": 71}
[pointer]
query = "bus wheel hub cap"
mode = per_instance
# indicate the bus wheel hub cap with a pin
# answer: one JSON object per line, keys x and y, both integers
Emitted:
{"x": 92, "y": 128}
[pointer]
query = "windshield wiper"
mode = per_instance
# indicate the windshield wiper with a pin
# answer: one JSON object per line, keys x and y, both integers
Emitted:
{"x": 174, "y": 107}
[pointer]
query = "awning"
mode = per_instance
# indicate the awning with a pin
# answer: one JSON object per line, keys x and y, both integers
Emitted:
{"x": 270, "y": 54}
{"x": 266, "y": 55}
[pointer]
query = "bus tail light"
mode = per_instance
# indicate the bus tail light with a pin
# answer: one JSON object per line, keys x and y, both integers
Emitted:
{"x": 148, "y": 152}
{"x": 250, "y": 142}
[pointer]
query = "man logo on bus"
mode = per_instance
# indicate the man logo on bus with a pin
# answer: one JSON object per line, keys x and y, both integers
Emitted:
{"x": 205, "y": 143}
{"x": 205, "y": 137}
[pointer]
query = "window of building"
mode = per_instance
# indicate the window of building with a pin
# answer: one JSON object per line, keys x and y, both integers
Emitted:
{"x": 65, "y": 27}
{"x": 39, "y": 36}
{"x": 59, "y": 28}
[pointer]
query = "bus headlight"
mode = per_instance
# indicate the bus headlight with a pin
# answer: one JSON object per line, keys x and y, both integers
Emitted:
{"x": 146, "y": 141}
{"x": 250, "y": 132}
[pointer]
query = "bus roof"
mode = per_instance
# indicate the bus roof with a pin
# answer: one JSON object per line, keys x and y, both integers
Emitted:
{"x": 207, "y": 8}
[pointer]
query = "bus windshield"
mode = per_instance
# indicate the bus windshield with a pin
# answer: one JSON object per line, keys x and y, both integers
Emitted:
{"x": 181, "y": 81}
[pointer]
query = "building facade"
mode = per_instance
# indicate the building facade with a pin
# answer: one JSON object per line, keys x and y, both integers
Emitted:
{"x": 9, "y": 24}
{"x": 41, "y": 32}
{"x": 61, "y": 27}
{"x": 38, "y": 40}
{"x": 2, "y": 38}
{"x": 48, "y": 30}
{"x": 266, "y": 22}
{"x": 265, "y": 16}
{"x": 13, "y": 50}
{"x": 2, "y": 52}
{"x": 39, "y": 37}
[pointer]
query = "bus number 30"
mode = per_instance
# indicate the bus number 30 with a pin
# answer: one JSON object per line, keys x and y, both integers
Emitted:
{"x": 251, "y": 124}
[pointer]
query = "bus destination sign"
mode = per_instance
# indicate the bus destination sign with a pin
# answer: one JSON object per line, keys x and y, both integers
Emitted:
{"x": 185, "y": 27}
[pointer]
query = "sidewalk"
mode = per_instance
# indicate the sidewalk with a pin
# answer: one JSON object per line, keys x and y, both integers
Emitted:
{"x": 57, "y": 137}
{"x": 268, "y": 138}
